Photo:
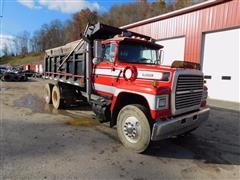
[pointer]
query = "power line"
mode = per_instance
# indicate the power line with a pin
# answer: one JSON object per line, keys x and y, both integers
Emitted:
{"x": 2, "y": 7}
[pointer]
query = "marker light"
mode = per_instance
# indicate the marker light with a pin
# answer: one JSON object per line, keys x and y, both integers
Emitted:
{"x": 128, "y": 73}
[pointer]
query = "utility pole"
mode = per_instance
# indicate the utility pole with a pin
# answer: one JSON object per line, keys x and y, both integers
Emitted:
{"x": 1, "y": 104}
{"x": 1, "y": 19}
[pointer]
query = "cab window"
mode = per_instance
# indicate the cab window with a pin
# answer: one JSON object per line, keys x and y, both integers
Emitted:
{"x": 131, "y": 52}
{"x": 108, "y": 52}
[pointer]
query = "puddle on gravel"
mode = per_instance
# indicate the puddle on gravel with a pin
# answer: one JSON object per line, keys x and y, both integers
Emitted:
{"x": 3, "y": 89}
{"x": 81, "y": 120}
{"x": 84, "y": 121}
{"x": 34, "y": 103}
{"x": 37, "y": 105}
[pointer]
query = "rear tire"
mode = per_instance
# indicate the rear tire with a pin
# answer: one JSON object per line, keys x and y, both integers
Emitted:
{"x": 133, "y": 128}
{"x": 56, "y": 98}
{"x": 48, "y": 93}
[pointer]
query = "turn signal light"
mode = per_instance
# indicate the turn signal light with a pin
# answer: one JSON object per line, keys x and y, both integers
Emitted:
{"x": 155, "y": 84}
{"x": 166, "y": 76}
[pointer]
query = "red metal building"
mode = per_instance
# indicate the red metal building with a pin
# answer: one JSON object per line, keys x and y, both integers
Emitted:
{"x": 191, "y": 23}
{"x": 36, "y": 67}
{"x": 207, "y": 33}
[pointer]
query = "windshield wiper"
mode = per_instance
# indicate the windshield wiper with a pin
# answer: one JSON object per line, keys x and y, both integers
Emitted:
{"x": 148, "y": 61}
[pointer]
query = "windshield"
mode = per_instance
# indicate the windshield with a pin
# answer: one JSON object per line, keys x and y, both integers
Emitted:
{"x": 137, "y": 53}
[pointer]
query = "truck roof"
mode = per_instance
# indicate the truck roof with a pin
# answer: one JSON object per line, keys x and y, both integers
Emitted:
{"x": 134, "y": 39}
{"x": 103, "y": 31}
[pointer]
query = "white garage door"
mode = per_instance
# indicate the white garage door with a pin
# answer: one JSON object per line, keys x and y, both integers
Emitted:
{"x": 221, "y": 56}
{"x": 173, "y": 50}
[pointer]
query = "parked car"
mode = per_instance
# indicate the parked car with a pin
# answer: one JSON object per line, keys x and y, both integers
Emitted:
{"x": 12, "y": 74}
{"x": 29, "y": 73}
{"x": 2, "y": 71}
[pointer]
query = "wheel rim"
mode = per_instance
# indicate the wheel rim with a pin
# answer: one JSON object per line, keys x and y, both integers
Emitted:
{"x": 131, "y": 129}
{"x": 46, "y": 94}
{"x": 55, "y": 96}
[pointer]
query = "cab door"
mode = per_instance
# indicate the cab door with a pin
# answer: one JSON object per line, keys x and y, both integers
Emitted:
{"x": 104, "y": 73}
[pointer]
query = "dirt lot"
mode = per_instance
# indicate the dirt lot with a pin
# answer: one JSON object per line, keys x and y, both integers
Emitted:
{"x": 38, "y": 142}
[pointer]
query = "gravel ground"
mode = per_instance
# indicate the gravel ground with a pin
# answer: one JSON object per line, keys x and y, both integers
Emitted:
{"x": 38, "y": 142}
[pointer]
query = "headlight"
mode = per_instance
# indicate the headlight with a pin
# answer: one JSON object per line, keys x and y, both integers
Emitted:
{"x": 166, "y": 76}
{"x": 162, "y": 102}
{"x": 205, "y": 93}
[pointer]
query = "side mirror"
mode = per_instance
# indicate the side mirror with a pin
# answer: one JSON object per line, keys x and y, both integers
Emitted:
{"x": 96, "y": 60}
{"x": 97, "y": 52}
{"x": 97, "y": 49}
{"x": 161, "y": 56}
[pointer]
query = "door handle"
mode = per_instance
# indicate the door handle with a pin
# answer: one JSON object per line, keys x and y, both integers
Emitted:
{"x": 226, "y": 77}
{"x": 113, "y": 69}
{"x": 207, "y": 77}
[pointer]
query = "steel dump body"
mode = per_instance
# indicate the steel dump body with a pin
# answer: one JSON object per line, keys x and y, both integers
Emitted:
{"x": 71, "y": 71}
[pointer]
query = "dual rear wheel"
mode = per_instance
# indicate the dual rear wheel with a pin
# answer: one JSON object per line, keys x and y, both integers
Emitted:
{"x": 48, "y": 93}
{"x": 52, "y": 95}
{"x": 61, "y": 95}
{"x": 57, "y": 99}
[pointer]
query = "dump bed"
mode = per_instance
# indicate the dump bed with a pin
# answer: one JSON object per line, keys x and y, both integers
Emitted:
{"x": 70, "y": 70}
{"x": 65, "y": 49}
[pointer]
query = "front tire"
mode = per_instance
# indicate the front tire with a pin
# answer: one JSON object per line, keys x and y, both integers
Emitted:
{"x": 133, "y": 128}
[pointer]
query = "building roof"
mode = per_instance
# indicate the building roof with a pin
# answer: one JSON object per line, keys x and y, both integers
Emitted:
{"x": 176, "y": 13}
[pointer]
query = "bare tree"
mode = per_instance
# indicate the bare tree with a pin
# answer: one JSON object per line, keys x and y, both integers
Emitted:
{"x": 16, "y": 46}
{"x": 5, "y": 50}
{"x": 79, "y": 22}
{"x": 21, "y": 43}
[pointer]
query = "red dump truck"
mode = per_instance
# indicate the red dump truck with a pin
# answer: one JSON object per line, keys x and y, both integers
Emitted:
{"x": 119, "y": 73}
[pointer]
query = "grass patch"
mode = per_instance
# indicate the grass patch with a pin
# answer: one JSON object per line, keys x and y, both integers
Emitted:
{"x": 18, "y": 60}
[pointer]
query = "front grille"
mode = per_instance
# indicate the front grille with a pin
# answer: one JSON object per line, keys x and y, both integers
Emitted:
{"x": 188, "y": 91}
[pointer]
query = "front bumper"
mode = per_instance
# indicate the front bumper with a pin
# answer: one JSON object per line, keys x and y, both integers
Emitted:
{"x": 179, "y": 125}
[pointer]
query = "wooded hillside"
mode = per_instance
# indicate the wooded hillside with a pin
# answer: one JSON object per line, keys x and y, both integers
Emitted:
{"x": 58, "y": 33}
